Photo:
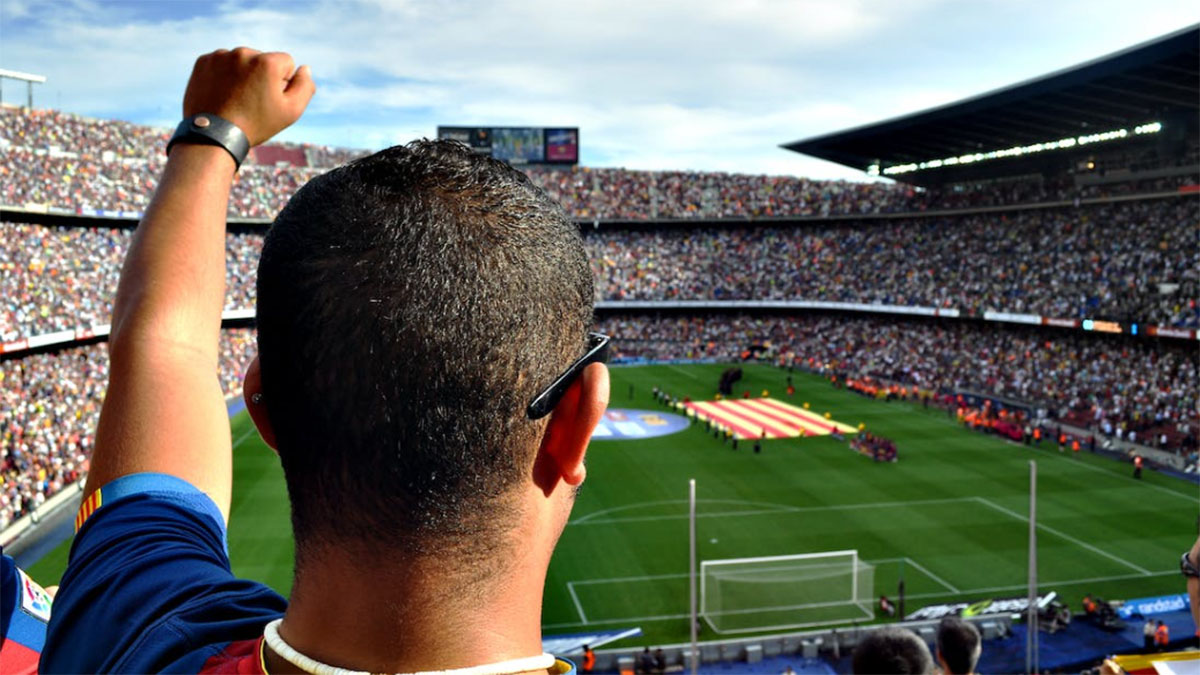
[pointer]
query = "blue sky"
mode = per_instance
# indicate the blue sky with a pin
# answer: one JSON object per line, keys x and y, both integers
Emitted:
{"x": 652, "y": 84}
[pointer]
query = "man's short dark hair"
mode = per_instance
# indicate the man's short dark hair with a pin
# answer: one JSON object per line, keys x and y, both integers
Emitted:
{"x": 410, "y": 306}
{"x": 892, "y": 650}
{"x": 959, "y": 645}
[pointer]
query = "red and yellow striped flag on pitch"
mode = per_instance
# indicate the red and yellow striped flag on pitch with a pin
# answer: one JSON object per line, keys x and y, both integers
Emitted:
{"x": 87, "y": 508}
{"x": 750, "y": 418}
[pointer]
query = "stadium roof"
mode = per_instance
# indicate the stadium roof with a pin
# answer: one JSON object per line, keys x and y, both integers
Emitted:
{"x": 1132, "y": 87}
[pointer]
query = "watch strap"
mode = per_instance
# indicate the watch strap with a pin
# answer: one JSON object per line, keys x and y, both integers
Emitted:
{"x": 210, "y": 129}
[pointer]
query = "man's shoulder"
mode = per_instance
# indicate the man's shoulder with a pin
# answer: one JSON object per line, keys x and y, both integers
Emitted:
{"x": 149, "y": 585}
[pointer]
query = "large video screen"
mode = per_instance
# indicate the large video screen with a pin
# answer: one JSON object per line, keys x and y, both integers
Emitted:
{"x": 562, "y": 145}
{"x": 520, "y": 145}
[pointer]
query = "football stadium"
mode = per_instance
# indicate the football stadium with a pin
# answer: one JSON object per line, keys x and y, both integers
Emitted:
{"x": 835, "y": 406}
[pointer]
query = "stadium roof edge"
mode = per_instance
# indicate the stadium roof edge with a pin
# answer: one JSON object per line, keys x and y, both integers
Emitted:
{"x": 845, "y": 146}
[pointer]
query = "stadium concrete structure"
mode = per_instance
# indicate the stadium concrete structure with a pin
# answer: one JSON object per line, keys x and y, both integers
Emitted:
{"x": 1123, "y": 126}
{"x": 1113, "y": 98}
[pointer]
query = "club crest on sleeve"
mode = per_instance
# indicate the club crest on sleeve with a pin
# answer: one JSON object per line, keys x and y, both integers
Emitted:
{"x": 35, "y": 601}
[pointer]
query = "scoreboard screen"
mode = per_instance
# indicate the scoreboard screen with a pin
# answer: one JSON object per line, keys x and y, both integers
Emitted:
{"x": 519, "y": 145}
{"x": 562, "y": 145}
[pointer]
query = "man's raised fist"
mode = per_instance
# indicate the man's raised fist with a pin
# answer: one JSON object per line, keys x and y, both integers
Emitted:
{"x": 262, "y": 93}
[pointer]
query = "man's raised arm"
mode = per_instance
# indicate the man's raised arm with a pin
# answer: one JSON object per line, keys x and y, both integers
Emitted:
{"x": 164, "y": 411}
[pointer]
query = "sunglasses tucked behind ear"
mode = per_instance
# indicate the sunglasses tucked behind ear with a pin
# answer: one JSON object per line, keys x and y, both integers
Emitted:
{"x": 544, "y": 402}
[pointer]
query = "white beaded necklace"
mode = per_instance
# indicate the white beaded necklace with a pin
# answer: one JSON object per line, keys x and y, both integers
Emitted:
{"x": 309, "y": 665}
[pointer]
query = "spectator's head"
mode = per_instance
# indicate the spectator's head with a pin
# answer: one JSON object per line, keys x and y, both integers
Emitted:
{"x": 411, "y": 305}
{"x": 892, "y": 650}
{"x": 958, "y": 646}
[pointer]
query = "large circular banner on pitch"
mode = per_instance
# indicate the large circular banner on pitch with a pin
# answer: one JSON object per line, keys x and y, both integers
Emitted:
{"x": 621, "y": 424}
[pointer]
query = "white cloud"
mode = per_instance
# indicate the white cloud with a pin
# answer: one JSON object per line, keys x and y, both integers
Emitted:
{"x": 663, "y": 84}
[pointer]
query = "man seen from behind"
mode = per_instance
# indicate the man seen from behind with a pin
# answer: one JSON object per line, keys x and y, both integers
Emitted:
{"x": 425, "y": 373}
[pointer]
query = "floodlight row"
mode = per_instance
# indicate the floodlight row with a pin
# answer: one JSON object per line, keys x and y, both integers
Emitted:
{"x": 1017, "y": 151}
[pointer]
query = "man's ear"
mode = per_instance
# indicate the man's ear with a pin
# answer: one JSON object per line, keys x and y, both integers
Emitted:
{"x": 565, "y": 442}
{"x": 252, "y": 394}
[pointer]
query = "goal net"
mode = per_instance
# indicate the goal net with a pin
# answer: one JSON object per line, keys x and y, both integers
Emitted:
{"x": 746, "y": 595}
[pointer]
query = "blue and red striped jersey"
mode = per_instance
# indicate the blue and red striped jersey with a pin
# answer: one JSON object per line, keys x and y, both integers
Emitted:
{"x": 148, "y": 587}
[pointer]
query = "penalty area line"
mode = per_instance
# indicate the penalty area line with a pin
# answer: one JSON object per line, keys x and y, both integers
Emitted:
{"x": 575, "y": 599}
{"x": 931, "y": 575}
{"x": 1064, "y": 535}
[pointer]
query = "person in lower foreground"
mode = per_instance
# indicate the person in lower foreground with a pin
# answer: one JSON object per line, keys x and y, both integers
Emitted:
{"x": 425, "y": 373}
{"x": 892, "y": 650}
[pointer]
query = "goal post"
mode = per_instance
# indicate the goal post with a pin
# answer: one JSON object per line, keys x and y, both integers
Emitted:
{"x": 744, "y": 595}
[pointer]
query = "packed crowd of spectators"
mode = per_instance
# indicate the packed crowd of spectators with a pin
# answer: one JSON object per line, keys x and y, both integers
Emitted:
{"x": 1137, "y": 260}
{"x": 49, "y": 408}
{"x": 62, "y": 160}
{"x": 60, "y": 278}
{"x": 1132, "y": 385}
{"x": 50, "y": 402}
{"x": 1064, "y": 263}
{"x": 1067, "y": 263}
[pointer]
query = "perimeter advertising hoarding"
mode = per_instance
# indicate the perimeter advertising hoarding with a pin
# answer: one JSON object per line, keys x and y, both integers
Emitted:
{"x": 519, "y": 145}
{"x": 981, "y": 608}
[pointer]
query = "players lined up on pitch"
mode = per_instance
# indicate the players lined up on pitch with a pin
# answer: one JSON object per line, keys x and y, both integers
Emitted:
{"x": 1121, "y": 389}
{"x": 49, "y": 408}
{"x": 1120, "y": 385}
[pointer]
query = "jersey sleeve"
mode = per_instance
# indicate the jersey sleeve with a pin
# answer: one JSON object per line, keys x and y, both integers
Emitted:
{"x": 24, "y": 610}
{"x": 148, "y": 586}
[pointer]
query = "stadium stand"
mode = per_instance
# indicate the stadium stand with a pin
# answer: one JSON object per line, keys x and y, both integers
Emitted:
{"x": 60, "y": 278}
{"x": 58, "y": 160}
{"x": 49, "y": 408}
{"x": 1030, "y": 237}
{"x": 1071, "y": 263}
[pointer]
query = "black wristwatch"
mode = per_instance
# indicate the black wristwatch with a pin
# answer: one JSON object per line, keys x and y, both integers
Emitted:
{"x": 210, "y": 129}
{"x": 1186, "y": 566}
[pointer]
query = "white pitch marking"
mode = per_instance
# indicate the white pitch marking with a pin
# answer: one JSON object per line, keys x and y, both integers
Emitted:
{"x": 578, "y": 606}
{"x": 666, "y": 502}
{"x": 1066, "y": 536}
{"x": 1021, "y": 587}
{"x": 992, "y": 589}
{"x": 245, "y": 434}
{"x": 615, "y": 580}
{"x": 684, "y": 371}
{"x": 931, "y": 575}
{"x": 774, "y": 508}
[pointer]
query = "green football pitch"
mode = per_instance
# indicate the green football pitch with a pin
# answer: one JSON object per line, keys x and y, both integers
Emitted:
{"x": 950, "y": 516}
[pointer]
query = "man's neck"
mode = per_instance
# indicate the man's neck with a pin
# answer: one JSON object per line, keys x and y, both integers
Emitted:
{"x": 411, "y": 617}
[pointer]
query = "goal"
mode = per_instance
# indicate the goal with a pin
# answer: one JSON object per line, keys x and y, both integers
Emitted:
{"x": 745, "y": 595}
